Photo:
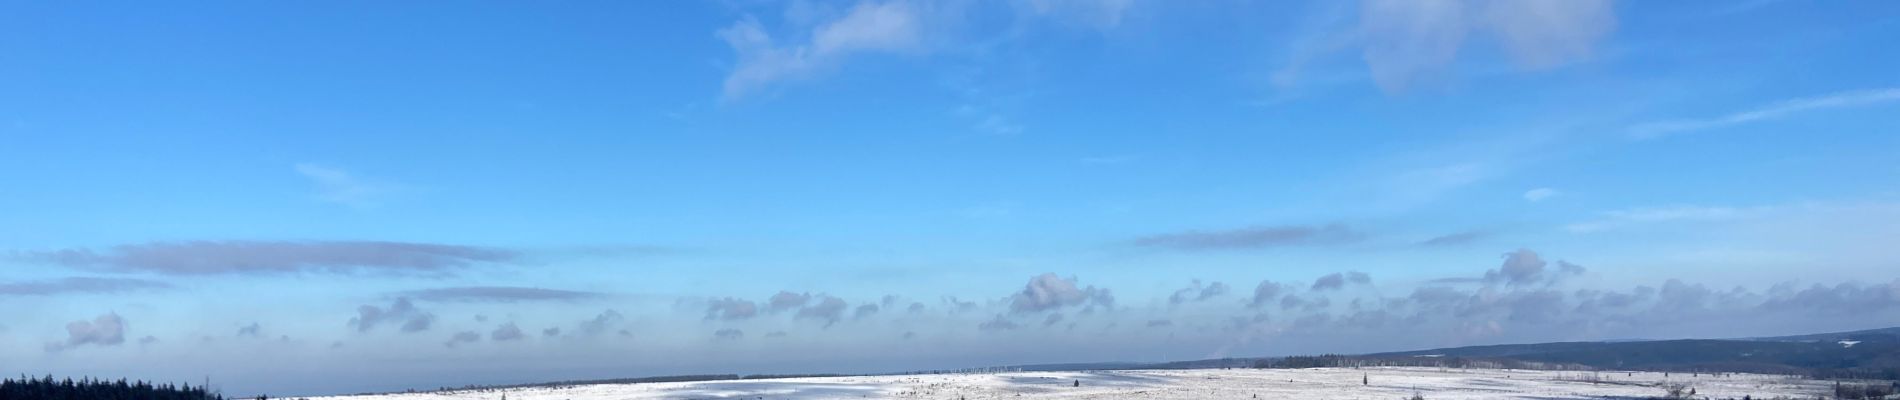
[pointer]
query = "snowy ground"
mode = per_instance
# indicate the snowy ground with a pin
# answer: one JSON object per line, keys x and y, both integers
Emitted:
{"x": 1321, "y": 383}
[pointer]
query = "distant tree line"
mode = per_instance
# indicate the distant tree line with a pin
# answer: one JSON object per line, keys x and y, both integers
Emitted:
{"x": 1857, "y": 391}
{"x": 48, "y": 388}
{"x": 650, "y": 379}
{"x": 1346, "y": 361}
{"x": 1888, "y": 373}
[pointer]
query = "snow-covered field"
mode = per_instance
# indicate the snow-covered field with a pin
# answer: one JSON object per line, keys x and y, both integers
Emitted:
{"x": 1322, "y": 383}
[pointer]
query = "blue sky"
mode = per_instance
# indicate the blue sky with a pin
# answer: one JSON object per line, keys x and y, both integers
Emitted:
{"x": 307, "y": 198}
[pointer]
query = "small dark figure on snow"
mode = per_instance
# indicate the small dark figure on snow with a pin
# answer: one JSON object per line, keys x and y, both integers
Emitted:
{"x": 1078, "y": 383}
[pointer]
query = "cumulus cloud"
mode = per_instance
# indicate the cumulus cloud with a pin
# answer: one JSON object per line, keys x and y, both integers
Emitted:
{"x": 1290, "y": 302}
{"x": 502, "y": 294}
{"x": 79, "y": 285}
{"x": 601, "y": 323}
{"x": 829, "y": 309}
{"x": 274, "y": 257}
{"x": 462, "y": 337}
{"x": 1525, "y": 267}
{"x": 1437, "y": 297}
{"x": 1196, "y": 292}
{"x": 252, "y": 330}
{"x": 105, "y": 330}
{"x": 1532, "y": 306}
{"x": 506, "y": 332}
{"x": 997, "y": 324}
{"x": 1251, "y": 238}
{"x": 1520, "y": 267}
{"x": 1265, "y": 293}
{"x": 402, "y": 311}
{"x": 731, "y": 309}
{"x": 1774, "y": 111}
{"x": 728, "y": 334}
{"x": 786, "y": 300}
{"x": 956, "y": 305}
{"x": 1336, "y": 280}
{"x": 1642, "y": 310}
{"x": 551, "y": 332}
{"x": 1409, "y": 41}
{"x": 1844, "y": 298}
{"x": 1049, "y": 292}
{"x": 870, "y": 27}
{"x": 864, "y": 311}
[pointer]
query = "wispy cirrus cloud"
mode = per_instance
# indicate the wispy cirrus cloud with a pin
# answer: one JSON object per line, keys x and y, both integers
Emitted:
{"x": 1251, "y": 238}
{"x": 1101, "y": 14}
{"x": 273, "y": 257}
{"x": 79, "y": 285}
{"x": 1539, "y": 194}
{"x": 504, "y": 294}
{"x": 1404, "y": 43}
{"x": 335, "y": 185}
{"x": 1455, "y": 238}
{"x": 1621, "y": 218}
{"x": 822, "y": 38}
{"x": 1774, "y": 111}
{"x": 869, "y": 27}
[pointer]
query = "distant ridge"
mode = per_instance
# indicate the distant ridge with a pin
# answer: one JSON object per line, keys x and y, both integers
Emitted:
{"x": 1869, "y": 354}
{"x": 1872, "y": 354}
{"x": 1882, "y": 334}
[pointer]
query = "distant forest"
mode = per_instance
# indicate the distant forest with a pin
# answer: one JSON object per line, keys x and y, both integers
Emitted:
{"x": 92, "y": 389}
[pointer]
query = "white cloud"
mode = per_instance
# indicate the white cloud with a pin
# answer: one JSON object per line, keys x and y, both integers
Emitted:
{"x": 1050, "y": 292}
{"x": 338, "y": 186}
{"x": 1777, "y": 110}
{"x": 1539, "y": 194}
{"x": 106, "y": 330}
{"x": 817, "y": 38}
{"x": 1404, "y": 42}
{"x": 1548, "y": 33}
{"x": 867, "y": 28}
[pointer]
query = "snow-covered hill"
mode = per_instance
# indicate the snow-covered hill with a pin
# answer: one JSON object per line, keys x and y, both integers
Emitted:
{"x": 1328, "y": 383}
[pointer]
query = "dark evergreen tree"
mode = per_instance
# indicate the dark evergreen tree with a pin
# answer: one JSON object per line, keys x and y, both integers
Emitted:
{"x": 47, "y": 388}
